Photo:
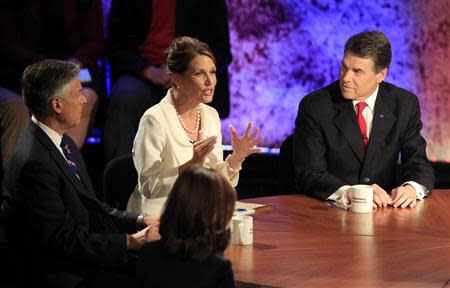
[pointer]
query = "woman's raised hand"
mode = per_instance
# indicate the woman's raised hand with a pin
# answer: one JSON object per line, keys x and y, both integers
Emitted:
{"x": 243, "y": 146}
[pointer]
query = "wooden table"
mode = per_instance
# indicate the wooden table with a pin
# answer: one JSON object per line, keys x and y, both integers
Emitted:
{"x": 303, "y": 242}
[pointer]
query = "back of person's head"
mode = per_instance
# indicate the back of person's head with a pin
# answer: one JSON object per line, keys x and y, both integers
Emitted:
{"x": 195, "y": 221}
{"x": 372, "y": 44}
{"x": 45, "y": 80}
{"x": 182, "y": 51}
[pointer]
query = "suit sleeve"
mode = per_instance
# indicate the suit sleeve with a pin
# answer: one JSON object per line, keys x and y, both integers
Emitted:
{"x": 52, "y": 221}
{"x": 415, "y": 165}
{"x": 309, "y": 156}
{"x": 125, "y": 221}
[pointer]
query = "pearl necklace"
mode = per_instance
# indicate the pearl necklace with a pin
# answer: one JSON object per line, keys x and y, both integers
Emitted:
{"x": 197, "y": 122}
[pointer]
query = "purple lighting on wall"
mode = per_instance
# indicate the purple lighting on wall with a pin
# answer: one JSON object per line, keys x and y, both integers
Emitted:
{"x": 285, "y": 49}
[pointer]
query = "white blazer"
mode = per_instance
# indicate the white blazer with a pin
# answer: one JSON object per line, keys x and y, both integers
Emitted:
{"x": 161, "y": 146}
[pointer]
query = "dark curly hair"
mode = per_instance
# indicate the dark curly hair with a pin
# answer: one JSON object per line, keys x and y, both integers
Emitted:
{"x": 195, "y": 220}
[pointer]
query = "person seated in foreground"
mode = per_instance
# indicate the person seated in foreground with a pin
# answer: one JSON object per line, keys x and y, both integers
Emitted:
{"x": 61, "y": 234}
{"x": 182, "y": 131}
{"x": 194, "y": 233}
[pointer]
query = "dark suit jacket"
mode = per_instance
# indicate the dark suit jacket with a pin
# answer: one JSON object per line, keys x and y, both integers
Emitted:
{"x": 329, "y": 151}
{"x": 157, "y": 268}
{"x": 129, "y": 23}
{"x": 60, "y": 231}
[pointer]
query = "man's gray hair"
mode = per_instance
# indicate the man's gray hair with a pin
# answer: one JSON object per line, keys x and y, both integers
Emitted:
{"x": 45, "y": 80}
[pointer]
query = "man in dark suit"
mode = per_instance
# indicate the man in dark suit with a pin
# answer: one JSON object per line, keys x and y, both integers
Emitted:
{"x": 339, "y": 142}
{"x": 63, "y": 236}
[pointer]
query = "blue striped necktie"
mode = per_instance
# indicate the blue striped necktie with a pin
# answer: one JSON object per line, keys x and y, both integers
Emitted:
{"x": 69, "y": 157}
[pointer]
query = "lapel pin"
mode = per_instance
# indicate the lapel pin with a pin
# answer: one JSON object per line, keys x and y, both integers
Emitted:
{"x": 381, "y": 115}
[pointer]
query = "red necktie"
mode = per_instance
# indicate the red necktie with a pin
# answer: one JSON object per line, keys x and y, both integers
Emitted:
{"x": 362, "y": 122}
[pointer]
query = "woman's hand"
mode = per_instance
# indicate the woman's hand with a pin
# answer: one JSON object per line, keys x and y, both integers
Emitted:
{"x": 243, "y": 146}
{"x": 201, "y": 149}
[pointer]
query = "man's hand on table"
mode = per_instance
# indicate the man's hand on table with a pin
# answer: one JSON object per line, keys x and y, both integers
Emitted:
{"x": 380, "y": 197}
{"x": 404, "y": 196}
{"x": 401, "y": 197}
{"x": 150, "y": 233}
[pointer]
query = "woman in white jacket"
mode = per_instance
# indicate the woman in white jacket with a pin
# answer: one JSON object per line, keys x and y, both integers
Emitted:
{"x": 182, "y": 131}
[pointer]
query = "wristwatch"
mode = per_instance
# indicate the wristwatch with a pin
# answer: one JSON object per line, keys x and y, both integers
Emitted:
{"x": 140, "y": 224}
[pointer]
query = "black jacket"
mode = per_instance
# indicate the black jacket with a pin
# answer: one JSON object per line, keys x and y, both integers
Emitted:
{"x": 329, "y": 151}
{"x": 157, "y": 268}
{"x": 60, "y": 231}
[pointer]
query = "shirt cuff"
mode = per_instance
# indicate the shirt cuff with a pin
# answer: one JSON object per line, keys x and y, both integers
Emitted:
{"x": 421, "y": 191}
{"x": 231, "y": 169}
{"x": 339, "y": 197}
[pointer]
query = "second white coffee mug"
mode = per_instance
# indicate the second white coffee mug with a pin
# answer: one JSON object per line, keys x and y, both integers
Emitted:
{"x": 362, "y": 198}
{"x": 242, "y": 230}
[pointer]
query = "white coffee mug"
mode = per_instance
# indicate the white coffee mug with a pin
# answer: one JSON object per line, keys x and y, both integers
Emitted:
{"x": 242, "y": 230}
{"x": 362, "y": 199}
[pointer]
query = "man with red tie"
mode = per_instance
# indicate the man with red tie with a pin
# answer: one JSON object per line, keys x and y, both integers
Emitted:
{"x": 62, "y": 235}
{"x": 361, "y": 130}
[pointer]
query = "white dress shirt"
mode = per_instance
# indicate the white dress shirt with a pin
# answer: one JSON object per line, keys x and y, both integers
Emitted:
{"x": 161, "y": 146}
{"x": 52, "y": 134}
{"x": 368, "y": 113}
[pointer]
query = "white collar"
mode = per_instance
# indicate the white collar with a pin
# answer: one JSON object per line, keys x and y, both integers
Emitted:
{"x": 52, "y": 134}
{"x": 370, "y": 101}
